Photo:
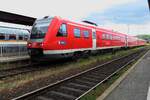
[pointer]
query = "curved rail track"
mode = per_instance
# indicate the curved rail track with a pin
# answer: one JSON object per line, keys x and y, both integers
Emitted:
{"x": 76, "y": 86}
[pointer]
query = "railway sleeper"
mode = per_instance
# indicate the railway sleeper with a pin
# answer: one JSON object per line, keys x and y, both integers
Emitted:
{"x": 67, "y": 91}
{"x": 90, "y": 79}
{"x": 96, "y": 77}
{"x": 61, "y": 96}
{"x": 85, "y": 82}
{"x": 73, "y": 89}
{"x": 76, "y": 87}
{"x": 43, "y": 98}
{"x": 82, "y": 83}
{"x": 79, "y": 85}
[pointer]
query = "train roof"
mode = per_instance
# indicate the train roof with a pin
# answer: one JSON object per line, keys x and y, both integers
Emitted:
{"x": 12, "y": 30}
{"x": 91, "y": 25}
{"x": 87, "y": 24}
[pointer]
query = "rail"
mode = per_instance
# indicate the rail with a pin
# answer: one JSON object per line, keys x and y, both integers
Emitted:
{"x": 76, "y": 86}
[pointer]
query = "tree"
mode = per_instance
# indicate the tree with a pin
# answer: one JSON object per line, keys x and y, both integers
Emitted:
{"x": 144, "y": 36}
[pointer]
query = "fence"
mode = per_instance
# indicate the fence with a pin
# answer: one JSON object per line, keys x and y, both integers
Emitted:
{"x": 8, "y": 50}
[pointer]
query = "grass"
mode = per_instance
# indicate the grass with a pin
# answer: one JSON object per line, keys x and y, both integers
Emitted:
{"x": 82, "y": 64}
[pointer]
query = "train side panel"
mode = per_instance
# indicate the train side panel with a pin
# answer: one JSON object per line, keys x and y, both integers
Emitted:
{"x": 64, "y": 37}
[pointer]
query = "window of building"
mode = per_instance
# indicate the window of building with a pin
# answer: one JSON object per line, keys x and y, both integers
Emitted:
{"x": 62, "y": 31}
{"x": 86, "y": 34}
{"x": 77, "y": 32}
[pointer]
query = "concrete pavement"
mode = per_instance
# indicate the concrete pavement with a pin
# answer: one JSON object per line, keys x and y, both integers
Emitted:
{"x": 136, "y": 85}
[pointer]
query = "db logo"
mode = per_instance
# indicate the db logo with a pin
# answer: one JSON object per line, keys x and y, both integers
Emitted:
{"x": 62, "y": 42}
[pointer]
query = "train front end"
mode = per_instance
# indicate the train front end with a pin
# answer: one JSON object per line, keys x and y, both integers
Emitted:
{"x": 38, "y": 33}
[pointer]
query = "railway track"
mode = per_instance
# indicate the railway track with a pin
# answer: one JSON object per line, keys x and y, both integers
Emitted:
{"x": 10, "y": 72}
{"x": 76, "y": 86}
{"x": 18, "y": 70}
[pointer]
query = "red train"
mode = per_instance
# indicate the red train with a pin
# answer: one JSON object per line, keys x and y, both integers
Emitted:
{"x": 57, "y": 36}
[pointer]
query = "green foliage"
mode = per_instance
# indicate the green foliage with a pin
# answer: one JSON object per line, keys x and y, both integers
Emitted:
{"x": 144, "y": 36}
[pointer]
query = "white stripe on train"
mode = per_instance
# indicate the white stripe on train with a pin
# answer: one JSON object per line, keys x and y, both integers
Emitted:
{"x": 74, "y": 50}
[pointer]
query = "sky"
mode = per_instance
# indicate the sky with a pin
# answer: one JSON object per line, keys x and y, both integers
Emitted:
{"x": 126, "y": 16}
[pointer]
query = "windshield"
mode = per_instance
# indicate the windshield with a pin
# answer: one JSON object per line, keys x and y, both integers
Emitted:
{"x": 39, "y": 29}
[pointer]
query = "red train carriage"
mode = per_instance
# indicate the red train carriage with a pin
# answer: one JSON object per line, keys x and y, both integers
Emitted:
{"x": 57, "y": 36}
{"x": 132, "y": 41}
{"x": 141, "y": 42}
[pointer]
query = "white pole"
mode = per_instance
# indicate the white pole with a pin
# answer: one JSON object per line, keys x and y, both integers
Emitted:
{"x": 1, "y": 50}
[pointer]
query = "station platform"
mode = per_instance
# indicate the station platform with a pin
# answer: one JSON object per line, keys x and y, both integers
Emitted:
{"x": 136, "y": 85}
{"x": 13, "y": 58}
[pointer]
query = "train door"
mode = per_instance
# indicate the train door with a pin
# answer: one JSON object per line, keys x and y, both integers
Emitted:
{"x": 63, "y": 37}
{"x": 93, "y": 39}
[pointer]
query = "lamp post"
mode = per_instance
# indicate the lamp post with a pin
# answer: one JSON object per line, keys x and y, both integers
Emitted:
{"x": 149, "y": 3}
{"x": 128, "y": 29}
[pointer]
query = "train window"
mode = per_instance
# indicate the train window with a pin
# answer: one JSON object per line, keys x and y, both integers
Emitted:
{"x": 86, "y": 34}
{"x": 2, "y": 37}
{"x": 20, "y": 37}
{"x": 115, "y": 38}
{"x": 110, "y": 36}
{"x": 7, "y": 37}
{"x": 62, "y": 30}
{"x": 107, "y": 36}
{"x": 26, "y": 37}
{"x": 119, "y": 38}
{"x": 103, "y": 36}
{"x": 77, "y": 32}
{"x": 12, "y": 37}
{"x": 40, "y": 28}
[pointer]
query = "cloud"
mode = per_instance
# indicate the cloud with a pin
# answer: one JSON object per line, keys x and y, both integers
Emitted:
{"x": 133, "y": 16}
{"x": 76, "y": 9}
{"x": 131, "y": 29}
{"x": 135, "y": 12}
{"x": 113, "y": 14}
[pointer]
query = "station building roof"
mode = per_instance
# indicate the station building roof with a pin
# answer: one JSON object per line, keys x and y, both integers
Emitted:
{"x": 16, "y": 18}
